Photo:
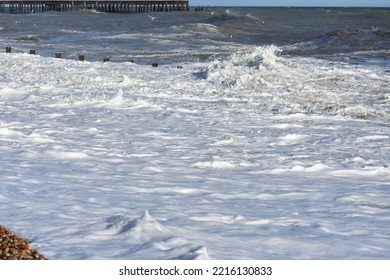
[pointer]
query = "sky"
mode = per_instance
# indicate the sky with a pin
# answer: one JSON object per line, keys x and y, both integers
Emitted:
{"x": 290, "y": 3}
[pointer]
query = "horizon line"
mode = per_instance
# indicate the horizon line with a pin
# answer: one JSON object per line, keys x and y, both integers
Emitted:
{"x": 282, "y": 6}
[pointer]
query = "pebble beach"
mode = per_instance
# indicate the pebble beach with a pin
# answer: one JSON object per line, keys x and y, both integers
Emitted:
{"x": 13, "y": 247}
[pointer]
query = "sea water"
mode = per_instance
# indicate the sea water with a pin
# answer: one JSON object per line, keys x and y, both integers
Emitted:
{"x": 199, "y": 36}
{"x": 263, "y": 133}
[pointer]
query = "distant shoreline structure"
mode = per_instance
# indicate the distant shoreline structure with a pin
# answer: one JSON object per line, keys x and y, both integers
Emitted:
{"x": 108, "y": 6}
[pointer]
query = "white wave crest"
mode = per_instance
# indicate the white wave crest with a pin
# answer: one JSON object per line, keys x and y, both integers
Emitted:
{"x": 242, "y": 68}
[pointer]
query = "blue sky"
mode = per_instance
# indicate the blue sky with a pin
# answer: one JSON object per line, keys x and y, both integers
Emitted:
{"x": 290, "y": 3}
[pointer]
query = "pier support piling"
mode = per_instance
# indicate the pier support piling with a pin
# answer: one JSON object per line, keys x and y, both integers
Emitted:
{"x": 106, "y": 6}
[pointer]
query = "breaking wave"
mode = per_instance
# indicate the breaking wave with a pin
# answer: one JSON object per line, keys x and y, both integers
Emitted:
{"x": 226, "y": 15}
{"x": 268, "y": 77}
{"x": 29, "y": 37}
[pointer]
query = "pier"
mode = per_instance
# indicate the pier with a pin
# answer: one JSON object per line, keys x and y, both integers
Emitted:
{"x": 108, "y": 6}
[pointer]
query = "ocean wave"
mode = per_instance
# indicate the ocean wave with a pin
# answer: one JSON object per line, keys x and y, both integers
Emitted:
{"x": 232, "y": 71}
{"x": 374, "y": 38}
{"x": 250, "y": 17}
{"x": 306, "y": 85}
{"x": 228, "y": 14}
{"x": 29, "y": 37}
{"x": 231, "y": 16}
{"x": 204, "y": 27}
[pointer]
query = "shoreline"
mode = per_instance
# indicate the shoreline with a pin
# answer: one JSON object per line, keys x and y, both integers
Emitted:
{"x": 13, "y": 247}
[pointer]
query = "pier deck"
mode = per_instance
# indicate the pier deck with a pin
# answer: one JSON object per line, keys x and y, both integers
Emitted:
{"x": 108, "y": 6}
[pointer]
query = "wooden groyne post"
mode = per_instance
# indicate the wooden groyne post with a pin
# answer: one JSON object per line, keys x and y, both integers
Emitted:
{"x": 108, "y": 6}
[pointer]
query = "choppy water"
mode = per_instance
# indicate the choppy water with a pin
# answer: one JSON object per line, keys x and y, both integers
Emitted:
{"x": 341, "y": 33}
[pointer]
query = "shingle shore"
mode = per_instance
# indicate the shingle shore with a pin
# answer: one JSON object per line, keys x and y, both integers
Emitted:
{"x": 13, "y": 247}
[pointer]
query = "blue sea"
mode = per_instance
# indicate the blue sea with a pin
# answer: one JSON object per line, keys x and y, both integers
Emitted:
{"x": 354, "y": 34}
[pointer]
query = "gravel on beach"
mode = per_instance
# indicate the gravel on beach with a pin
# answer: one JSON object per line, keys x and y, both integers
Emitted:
{"x": 13, "y": 247}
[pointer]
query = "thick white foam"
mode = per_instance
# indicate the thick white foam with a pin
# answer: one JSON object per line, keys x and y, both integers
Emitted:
{"x": 257, "y": 149}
